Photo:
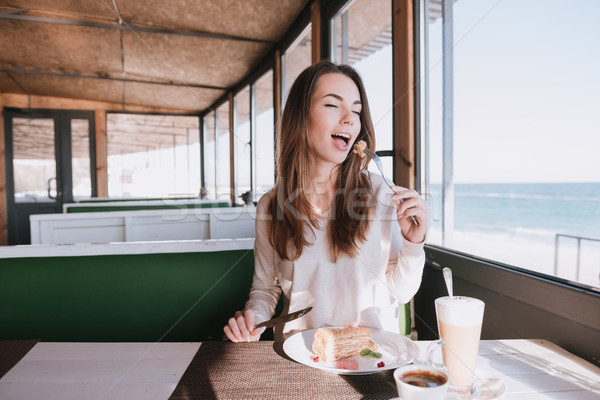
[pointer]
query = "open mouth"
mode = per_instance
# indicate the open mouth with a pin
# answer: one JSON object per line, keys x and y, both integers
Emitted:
{"x": 341, "y": 136}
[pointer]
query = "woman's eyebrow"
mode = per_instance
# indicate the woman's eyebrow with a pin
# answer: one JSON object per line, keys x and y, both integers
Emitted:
{"x": 340, "y": 98}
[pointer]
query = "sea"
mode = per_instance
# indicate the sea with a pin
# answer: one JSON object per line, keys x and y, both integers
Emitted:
{"x": 543, "y": 209}
{"x": 527, "y": 225}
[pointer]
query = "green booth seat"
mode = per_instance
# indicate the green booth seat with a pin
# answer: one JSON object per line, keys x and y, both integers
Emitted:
{"x": 127, "y": 292}
{"x": 169, "y": 292}
{"x": 120, "y": 199}
{"x": 137, "y": 205}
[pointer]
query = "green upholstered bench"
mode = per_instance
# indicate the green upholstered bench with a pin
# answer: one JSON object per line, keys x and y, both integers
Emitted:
{"x": 137, "y": 205}
{"x": 123, "y": 292}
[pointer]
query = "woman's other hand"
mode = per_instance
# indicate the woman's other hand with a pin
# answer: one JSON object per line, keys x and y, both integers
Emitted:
{"x": 410, "y": 204}
{"x": 240, "y": 328}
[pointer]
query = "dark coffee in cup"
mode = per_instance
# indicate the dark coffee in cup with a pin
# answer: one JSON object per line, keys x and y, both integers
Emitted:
{"x": 423, "y": 379}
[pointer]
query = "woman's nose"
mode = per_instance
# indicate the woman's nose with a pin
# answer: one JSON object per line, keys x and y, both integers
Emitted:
{"x": 347, "y": 118}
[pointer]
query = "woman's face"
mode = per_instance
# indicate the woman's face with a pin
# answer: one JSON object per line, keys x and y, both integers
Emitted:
{"x": 334, "y": 120}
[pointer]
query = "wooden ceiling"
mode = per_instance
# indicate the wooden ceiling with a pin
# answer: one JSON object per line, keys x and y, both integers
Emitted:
{"x": 177, "y": 54}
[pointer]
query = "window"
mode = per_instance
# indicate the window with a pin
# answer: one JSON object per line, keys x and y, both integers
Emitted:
{"x": 152, "y": 155}
{"x": 242, "y": 143}
{"x": 361, "y": 36}
{"x": 513, "y": 130}
{"x": 295, "y": 60}
{"x": 34, "y": 160}
{"x": 264, "y": 142}
{"x": 80, "y": 164}
{"x": 210, "y": 160}
{"x": 223, "y": 156}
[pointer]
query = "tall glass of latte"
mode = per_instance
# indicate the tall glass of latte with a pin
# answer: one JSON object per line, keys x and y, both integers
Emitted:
{"x": 459, "y": 323}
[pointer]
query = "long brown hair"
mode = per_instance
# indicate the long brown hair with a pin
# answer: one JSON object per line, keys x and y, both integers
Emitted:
{"x": 289, "y": 208}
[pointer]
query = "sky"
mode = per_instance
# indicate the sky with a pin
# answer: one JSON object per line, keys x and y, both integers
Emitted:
{"x": 526, "y": 91}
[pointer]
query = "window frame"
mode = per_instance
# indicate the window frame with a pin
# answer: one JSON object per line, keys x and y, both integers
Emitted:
{"x": 340, "y": 9}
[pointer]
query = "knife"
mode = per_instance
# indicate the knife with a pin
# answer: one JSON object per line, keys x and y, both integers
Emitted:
{"x": 284, "y": 318}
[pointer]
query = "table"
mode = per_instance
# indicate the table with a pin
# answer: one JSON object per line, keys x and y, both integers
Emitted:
{"x": 523, "y": 369}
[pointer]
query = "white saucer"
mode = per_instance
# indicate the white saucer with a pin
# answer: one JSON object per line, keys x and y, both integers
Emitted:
{"x": 487, "y": 389}
{"x": 491, "y": 388}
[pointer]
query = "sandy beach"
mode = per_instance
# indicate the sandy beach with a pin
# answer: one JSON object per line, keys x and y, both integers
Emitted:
{"x": 532, "y": 252}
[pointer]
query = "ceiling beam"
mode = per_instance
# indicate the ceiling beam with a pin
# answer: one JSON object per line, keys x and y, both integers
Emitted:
{"x": 16, "y": 69}
{"x": 18, "y": 14}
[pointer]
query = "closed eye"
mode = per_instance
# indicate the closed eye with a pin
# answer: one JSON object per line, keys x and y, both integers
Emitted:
{"x": 331, "y": 105}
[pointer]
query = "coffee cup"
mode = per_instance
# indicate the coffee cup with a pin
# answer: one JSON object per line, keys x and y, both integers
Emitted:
{"x": 459, "y": 321}
{"x": 420, "y": 382}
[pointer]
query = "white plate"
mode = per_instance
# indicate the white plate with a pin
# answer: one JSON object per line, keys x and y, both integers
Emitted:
{"x": 396, "y": 350}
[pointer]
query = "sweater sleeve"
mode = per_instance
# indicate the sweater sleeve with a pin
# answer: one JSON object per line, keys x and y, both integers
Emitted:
{"x": 265, "y": 290}
{"x": 405, "y": 270}
{"x": 405, "y": 267}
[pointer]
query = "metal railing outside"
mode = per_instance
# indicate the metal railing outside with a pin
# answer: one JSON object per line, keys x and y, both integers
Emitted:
{"x": 579, "y": 240}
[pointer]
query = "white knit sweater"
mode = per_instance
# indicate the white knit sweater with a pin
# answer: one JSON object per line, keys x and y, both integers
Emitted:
{"x": 362, "y": 290}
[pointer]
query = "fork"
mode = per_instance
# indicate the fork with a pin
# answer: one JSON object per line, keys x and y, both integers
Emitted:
{"x": 377, "y": 160}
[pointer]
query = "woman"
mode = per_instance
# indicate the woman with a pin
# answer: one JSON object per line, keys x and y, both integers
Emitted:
{"x": 330, "y": 234}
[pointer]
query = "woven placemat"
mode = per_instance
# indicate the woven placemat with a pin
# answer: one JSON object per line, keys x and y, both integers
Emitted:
{"x": 11, "y": 352}
{"x": 260, "y": 370}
